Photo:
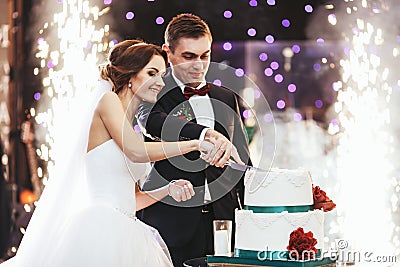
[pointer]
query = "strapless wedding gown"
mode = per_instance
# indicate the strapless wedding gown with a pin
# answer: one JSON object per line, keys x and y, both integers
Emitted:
{"x": 107, "y": 232}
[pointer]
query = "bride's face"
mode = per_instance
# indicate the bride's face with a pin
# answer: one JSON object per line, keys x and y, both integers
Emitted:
{"x": 148, "y": 82}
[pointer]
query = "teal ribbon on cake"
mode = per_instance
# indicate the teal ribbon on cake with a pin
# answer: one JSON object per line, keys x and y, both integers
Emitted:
{"x": 261, "y": 255}
{"x": 278, "y": 209}
{"x": 266, "y": 255}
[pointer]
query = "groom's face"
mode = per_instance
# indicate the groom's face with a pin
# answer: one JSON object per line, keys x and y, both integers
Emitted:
{"x": 190, "y": 59}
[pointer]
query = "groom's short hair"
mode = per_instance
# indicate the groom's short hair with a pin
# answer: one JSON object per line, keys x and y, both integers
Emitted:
{"x": 185, "y": 25}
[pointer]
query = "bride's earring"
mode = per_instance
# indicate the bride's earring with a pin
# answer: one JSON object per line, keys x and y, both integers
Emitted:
{"x": 130, "y": 85}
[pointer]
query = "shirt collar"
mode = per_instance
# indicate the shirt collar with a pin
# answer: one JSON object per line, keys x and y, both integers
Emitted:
{"x": 182, "y": 85}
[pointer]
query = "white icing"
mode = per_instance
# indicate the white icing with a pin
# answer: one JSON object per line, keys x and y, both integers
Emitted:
{"x": 261, "y": 231}
{"x": 278, "y": 187}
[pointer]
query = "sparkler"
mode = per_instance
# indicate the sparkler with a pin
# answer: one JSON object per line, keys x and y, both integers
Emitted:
{"x": 365, "y": 170}
{"x": 69, "y": 49}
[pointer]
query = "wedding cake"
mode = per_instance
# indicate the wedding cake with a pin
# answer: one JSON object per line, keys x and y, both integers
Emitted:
{"x": 282, "y": 223}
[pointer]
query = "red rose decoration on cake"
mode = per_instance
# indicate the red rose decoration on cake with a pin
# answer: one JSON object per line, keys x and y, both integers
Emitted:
{"x": 321, "y": 200}
{"x": 302, "y": 245}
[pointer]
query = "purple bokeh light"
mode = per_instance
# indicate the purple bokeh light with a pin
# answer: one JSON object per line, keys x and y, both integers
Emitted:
{"x": 251, "y": 32}
{"x": 280, "y": 104}
{"x": 274, "y": 65}
{"x": 320, "y": 41}
{"x": 318, "y": 103}
{"x": 136, "y": 128}
{"x": 268, "y": 117}
{"x": 308, "y": 8}
{"x": 317, "y": 67}
{"x": 271, "y": 2}
{"x": 296, "y": 49}
{"x": 292, "y": 88}
{"x": 285, "y": 23}
{"x": 217, "y": 82}
{"x": 129, "y": 15}
{"x": 36, "y": 96}
{"x": 239, "y": 72}
{"x": 227, "y": 46}
{"x": 268, "y": 72}
{"x": 253, "y": 3}
{"x": 50, "y": 64}
{"x": 247, "y": 114}
{"x": 297, "y": 116}
{"x": 269, "y": 39}
{"x": 278, "y": 78}
{"x": 257, "y": 93}
{"x": 228, "y": 14}
{"x": 335, "y": 122}
{"x": 107, "y": 2}
{"x": 160, "y": 20}
{"x": 263, "y": 56}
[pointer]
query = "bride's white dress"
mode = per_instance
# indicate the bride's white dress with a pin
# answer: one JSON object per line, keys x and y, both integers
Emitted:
{"x": 105, "y": 232}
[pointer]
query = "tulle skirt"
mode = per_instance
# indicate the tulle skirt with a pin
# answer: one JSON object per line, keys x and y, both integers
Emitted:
{"x": 102, "y": 236}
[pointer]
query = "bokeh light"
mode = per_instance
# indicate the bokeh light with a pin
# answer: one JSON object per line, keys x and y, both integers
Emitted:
{"x": 318, "y": 103}
{"x": 217, "y": 82}
{"x": 251, "y": 32}
{"x": 269, "y": 39}
{"x": 253, "y": 3}
{"x": 227, "y": 46}
{"x": 239, "y": 72}
{"x": 129, "y": 15}
{"x": 296, "y": 49}
{"x": 228, "y": 14}
{"x": 285, "y": 23}
{"x": 263, "y": 57}
{"x": 160, "y": 20}
{"x": 308, "y": 8}
{"x": 280, "y": 104}
{"x": 274, "y": 65}
{"x": 268, "y": 72}
{"x": 278, "y": 78}
{"x": 292, "y": 88}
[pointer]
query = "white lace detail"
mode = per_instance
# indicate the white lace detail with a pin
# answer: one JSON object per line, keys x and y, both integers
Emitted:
{"x": 260, "y": 222}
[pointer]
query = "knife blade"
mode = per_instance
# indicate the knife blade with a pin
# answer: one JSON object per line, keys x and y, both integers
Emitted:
{"x": 242, "y": 168}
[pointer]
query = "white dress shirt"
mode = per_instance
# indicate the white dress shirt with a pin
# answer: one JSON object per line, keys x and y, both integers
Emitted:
{"x": 204, "y": 114}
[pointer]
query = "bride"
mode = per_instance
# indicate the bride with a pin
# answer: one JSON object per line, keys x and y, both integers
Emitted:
{"x": 97, "y": 226}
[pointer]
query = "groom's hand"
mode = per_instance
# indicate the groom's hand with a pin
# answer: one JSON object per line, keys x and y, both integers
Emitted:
{"x": 223, "y": 149}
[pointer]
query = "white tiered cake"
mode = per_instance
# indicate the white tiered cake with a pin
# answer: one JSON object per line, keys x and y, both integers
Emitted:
{"x": 283, "y": 221}
{"x": 281, "y": 202}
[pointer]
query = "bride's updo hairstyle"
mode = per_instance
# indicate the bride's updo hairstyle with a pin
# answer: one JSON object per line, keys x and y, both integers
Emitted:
{"x": 126, "y": 59}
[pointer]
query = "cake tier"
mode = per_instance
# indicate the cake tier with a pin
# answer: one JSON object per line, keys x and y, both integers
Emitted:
{"x": 278, "y": 187}
{"x": 271, "y": 231}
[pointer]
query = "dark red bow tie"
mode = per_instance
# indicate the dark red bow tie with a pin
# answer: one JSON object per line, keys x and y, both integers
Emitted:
{"x": 188, "y": 92}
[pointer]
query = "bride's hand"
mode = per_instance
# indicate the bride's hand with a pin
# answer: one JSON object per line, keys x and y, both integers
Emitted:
{"x": 181, "y": 190}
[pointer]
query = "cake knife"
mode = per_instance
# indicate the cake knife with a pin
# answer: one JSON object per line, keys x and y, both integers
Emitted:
{"x": 242, "y": 168}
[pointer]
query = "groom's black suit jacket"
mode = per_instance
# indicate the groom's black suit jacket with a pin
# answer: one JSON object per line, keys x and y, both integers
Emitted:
{"x": 165, "y": 121}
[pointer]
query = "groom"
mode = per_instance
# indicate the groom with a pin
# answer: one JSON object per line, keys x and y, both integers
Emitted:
{"x": 190, "y": 108}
